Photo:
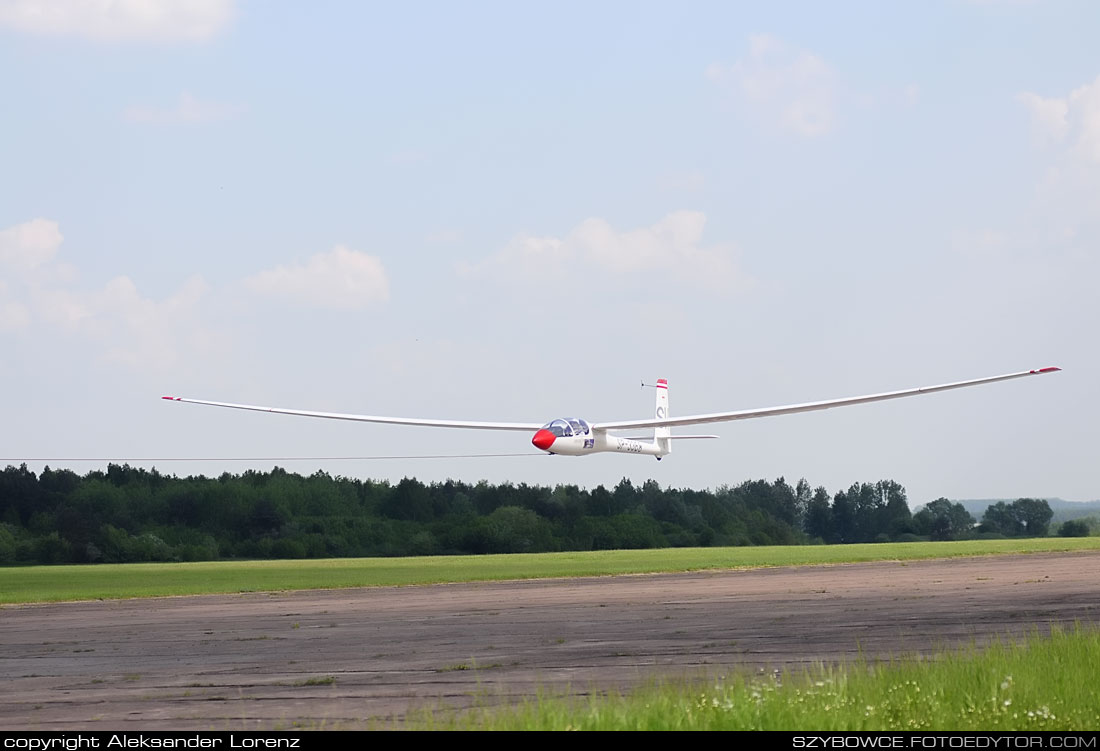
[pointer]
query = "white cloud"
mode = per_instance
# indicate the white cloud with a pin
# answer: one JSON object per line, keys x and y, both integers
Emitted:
{"x": 123, "y": 325}
{"x": 342, "y": 279}
{"x": 129, "y": 328}
{"x": 187, "y": 110}
{"x": 526, "y": 257}
{"x": 153, "y": 331}
{"x": 1049, "y": 115}
{"x": 61, "y": 307}
{"x": 1054, "y": 233}
{"x": 29, "y": 245}
{"x": 671, "y": 247}
{"x": 794, "y": 89}
{"x": 1084, "y": 109}
{"x": 119, "y": 20}
{"x": 1073, "y": 119}
{"x": 671, "y": 242}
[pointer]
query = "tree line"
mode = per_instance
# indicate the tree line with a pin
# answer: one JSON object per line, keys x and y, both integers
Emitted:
{"x": 128, "y": 514}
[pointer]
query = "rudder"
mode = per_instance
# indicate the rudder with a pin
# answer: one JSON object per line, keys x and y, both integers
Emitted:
{"x": 662, "y": 436}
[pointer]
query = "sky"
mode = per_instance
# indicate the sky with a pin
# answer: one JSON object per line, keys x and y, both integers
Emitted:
{"x": 515, "y": 211}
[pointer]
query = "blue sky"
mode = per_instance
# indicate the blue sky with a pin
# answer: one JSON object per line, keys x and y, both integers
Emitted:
{"x": 501, "y": 211}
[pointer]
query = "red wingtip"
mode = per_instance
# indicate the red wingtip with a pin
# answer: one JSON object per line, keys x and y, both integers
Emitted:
{"x": 1046, "y": 370}
{"x": 173, "y": 398}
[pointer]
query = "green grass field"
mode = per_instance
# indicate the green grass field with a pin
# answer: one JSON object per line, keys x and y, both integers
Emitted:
{"x": 116, "y": 581}
{"x": 1040, "y": 683}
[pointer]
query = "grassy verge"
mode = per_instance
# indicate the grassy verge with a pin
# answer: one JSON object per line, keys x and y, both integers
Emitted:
{"x": 1039, "y": 683}
{"x": 114, "y": 581}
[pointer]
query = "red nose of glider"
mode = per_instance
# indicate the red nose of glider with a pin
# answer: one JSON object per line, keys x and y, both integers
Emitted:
{"x": 543, "y": 439}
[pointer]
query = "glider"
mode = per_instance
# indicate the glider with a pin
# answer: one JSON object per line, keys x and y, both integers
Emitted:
{"x": 572, "y": 436}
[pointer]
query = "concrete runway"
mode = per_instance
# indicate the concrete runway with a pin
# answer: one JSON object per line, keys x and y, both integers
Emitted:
{"x": 335, "y": 659}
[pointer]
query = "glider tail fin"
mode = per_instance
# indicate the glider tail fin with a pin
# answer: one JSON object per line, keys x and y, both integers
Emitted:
{"x": 662, "y": 436}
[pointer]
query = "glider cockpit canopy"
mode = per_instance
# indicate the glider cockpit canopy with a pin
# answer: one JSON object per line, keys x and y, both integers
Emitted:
{"x": 565, "y": 427}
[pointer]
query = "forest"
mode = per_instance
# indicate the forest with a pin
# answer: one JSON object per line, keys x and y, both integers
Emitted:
{"x": 129, "y": 514}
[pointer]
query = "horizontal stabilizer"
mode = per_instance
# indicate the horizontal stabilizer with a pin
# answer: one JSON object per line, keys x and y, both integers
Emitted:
{"x": 678, "y": 437}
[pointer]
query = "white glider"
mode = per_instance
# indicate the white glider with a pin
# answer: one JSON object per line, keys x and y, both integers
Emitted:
{"x": 573, "y": 436}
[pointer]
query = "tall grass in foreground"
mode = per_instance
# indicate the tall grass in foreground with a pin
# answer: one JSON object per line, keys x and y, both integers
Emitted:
{"x": 1038, "y": 683}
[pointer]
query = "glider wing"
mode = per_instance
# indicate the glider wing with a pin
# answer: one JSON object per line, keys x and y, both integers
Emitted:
{"x": 748, "y": 414}
{"x": 528, "y": 426}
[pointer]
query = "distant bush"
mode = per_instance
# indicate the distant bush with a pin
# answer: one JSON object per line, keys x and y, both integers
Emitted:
{"x": 1074, "y": 528}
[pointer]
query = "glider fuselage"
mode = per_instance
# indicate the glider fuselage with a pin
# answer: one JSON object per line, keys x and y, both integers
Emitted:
{"x": 594, "y": 442}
